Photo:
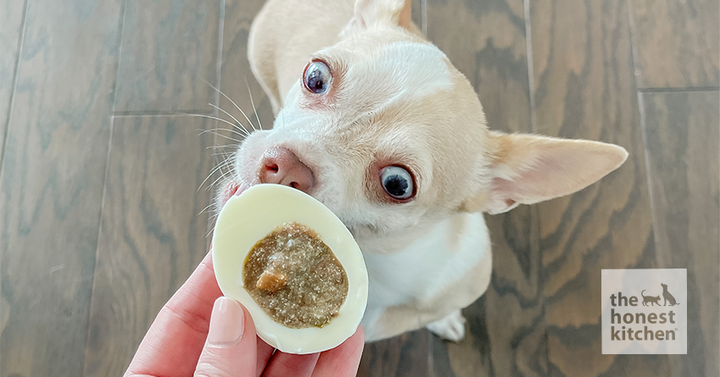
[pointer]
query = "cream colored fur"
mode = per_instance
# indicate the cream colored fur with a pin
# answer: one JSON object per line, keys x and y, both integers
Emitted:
{"x": 396, "y": 99}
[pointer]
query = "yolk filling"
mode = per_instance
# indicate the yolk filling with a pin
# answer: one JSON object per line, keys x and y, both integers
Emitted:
{"x": 295, "y": 278}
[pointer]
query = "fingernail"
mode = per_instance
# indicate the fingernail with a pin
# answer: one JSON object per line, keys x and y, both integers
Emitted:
{"x": 227, "y": 323}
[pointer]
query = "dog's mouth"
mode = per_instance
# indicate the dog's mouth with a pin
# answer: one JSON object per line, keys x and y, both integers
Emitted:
{"x": 231, "y": 188}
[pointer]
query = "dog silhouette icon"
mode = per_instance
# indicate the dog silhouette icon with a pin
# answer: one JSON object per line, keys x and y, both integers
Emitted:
{"x": 667, "y": 296}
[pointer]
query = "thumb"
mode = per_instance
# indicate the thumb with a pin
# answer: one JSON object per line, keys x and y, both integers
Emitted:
{"x": 231, "y": 346}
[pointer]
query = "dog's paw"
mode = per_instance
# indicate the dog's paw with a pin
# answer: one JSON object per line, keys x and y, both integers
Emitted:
{"x": 451, "y": 327}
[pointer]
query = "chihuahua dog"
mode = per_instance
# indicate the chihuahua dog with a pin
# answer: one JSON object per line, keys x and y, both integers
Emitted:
{"x": 376, "y": 123}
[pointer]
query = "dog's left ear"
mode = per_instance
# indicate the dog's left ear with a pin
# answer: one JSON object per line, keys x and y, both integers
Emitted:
{"x": 370, "y": 12}
{"x": 528, "y": 169}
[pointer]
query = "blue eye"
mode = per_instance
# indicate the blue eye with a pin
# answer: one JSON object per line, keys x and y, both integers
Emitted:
{"x": 317, "y": 77}
{"x": 397, "y": 182}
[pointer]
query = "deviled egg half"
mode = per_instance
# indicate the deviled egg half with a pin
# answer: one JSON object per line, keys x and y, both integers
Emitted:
{"x": 294, "y": 265}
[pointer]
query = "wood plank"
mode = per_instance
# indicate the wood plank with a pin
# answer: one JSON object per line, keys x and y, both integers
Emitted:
{"x": 165, "y": 46}
{"x": 152, "y": 235}
{"x": 683, "y": 143}
{"x": 51, "y": 183}
{"x": 583, "y": 71}
{"x": 505, "y": 332}
{"x": 238, "y": 82}
{"x": 11, "y": 23}
{"x": 677, "y": 42}
{"x": 402, "y": 356}
{"x": 417, "y": 9}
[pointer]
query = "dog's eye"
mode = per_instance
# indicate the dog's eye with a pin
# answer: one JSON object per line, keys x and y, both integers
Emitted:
{"x": 397, "y": 182}
{"x": 317, "y": 77}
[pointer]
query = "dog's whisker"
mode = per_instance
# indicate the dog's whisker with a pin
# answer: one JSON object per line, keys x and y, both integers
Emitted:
{"x": 225, "y": 136}
{"x": 225, "y": 162}
{"x": 252, "y": 102}
{"x": 239, "y": 125}
{"x": 222, "y": 176}
{"x": 223, "y": 146}
{"x": 226, "y": 155}
{"x": 223, "y": 129}
{"x": 225, "y": 167}
{"x": 213, "y": 171}
{"x": 246, "y": 118}
{"x": 225, "y": 159}
{"x": 208, "y": 117}
{"x": 212, "y": 220}
{"x": 231, "y": 101}
{"x": 206, "y": 208}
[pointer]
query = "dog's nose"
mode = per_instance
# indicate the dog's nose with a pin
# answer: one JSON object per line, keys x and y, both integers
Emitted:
{"x": 283, "y": 167}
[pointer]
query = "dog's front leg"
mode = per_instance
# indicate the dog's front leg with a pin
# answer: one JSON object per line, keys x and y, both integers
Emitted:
{"x": 450, "y": 327}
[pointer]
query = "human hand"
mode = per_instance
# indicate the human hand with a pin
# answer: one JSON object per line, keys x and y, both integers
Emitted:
{"x": 199, "y": 331}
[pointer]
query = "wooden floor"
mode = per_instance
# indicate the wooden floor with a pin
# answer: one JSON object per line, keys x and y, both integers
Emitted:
{"x": 100, "y": 213}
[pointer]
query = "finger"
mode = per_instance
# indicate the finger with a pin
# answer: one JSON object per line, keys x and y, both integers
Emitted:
{"x": 343, "y": 360}
{"x": 284, "y": 364}
{"x": 264, "y": 353}
{"x": 231, "y": 347}
{"x": 182, "y": 322}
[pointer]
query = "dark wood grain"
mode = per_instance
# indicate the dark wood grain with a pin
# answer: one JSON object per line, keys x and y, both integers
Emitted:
{"x": 60, "y": 246}
{"x": 153, "y": 235}
{"x": 51, "y": 184}
{"x": 402, "y": 356}
{"x": 168, "y": 48}
{"x": 583, "y": 73}
{"x": 238, "y": 82}
{"x": 505, "y": 333}
{"x": 677, "y": 43}
{"x": 683, "y": 142}
{"x": 238, "y": 85}
{"x": 11, "y": 25}
{"x": 416, "y": 14}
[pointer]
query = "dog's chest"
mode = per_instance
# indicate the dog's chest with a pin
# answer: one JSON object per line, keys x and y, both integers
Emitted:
{"x": 424, "y": 268}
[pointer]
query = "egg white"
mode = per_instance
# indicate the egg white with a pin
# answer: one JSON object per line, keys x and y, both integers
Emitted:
{"x": 248, "y": 218}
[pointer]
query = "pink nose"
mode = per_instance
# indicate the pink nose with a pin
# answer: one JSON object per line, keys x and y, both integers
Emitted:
{"x": 282, "y": 166}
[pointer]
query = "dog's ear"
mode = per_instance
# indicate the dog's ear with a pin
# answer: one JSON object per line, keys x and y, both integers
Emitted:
{"x": 370, "y": 12}
{"x": 528, "y": 169}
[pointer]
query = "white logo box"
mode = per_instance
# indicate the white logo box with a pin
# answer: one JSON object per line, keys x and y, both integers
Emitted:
{"x": 638, "y": 325}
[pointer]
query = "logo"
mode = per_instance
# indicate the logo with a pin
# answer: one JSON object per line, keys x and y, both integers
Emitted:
{"x": 644, "y": 311}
